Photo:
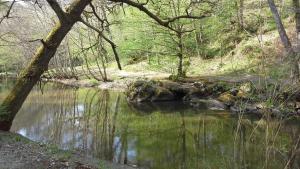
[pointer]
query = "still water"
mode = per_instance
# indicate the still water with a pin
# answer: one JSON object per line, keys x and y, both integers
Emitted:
{"x": 102, "y": 124}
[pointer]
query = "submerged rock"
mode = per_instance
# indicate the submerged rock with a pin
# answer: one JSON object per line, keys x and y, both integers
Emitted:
{"x": 208, "y": 103}
{"x": 244, "y": 108}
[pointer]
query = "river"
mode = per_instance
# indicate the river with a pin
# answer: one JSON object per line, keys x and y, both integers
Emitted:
{"x": 169, "y": 135}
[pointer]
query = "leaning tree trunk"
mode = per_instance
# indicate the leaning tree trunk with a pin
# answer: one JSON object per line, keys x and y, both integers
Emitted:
{"x": 285, "y": 41}
{"x": 39, "y": 64}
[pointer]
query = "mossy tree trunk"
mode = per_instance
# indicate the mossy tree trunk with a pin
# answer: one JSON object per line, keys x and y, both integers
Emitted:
{"x": 39, "y": 64}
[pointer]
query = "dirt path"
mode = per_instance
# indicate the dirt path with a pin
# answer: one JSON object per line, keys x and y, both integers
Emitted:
{"x": 17, "y": 152}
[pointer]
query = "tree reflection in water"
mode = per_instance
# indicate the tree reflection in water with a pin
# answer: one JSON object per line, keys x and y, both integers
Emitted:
{"x": 102, "y": 124}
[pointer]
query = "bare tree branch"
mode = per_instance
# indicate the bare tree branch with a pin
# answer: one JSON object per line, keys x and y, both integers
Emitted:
{"x": 8, "y": 12}
{"x": 112, "y": 44}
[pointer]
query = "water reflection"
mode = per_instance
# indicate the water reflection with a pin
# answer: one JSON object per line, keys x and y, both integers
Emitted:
{"x": 102, "y": 124}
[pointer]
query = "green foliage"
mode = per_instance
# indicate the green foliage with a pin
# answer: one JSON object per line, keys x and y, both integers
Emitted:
{"x": 140, "y": 39}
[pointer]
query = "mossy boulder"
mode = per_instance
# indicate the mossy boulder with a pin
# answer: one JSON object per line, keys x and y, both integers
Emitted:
{"x": 162, "y": 94}
{"x": 196, "y": 93}
{"x": 216, "y": 94}
{"x": 141, "y": 91}
{"x": 233, "y": 95}
{"x": 242, "y": 95}
{"x": 217, "y": 88}
{"x": 227, "y": 98}
{"x": 178, "y": 89}
{"x": 148, "y": 91}
{"x": 152, "y": 91}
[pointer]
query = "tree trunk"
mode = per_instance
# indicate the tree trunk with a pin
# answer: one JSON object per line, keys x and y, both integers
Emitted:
{"x": 297, "y": 17}
{"x": 283, "y": 36}
{"x": 297, "y": 20}
{"x": 180, "y": 56}
{"x": 285, "y": 41}
{"x": 39, "y": 64}
{"x": 241, "y": 14}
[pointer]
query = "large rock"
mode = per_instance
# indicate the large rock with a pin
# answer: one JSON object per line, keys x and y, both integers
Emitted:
{"x": 149, "y": 91}
{"x": 196, "y": 93}
{"x": 217, "y": 88}
{"x": 152, "y": 91}
{"x": 178, "y": 89}
{"x": 162, "y": 94}
{"x": 141, "y": 91}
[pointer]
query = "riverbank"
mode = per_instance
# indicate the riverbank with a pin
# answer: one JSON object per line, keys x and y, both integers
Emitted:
{"x": 18, "y": 152}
